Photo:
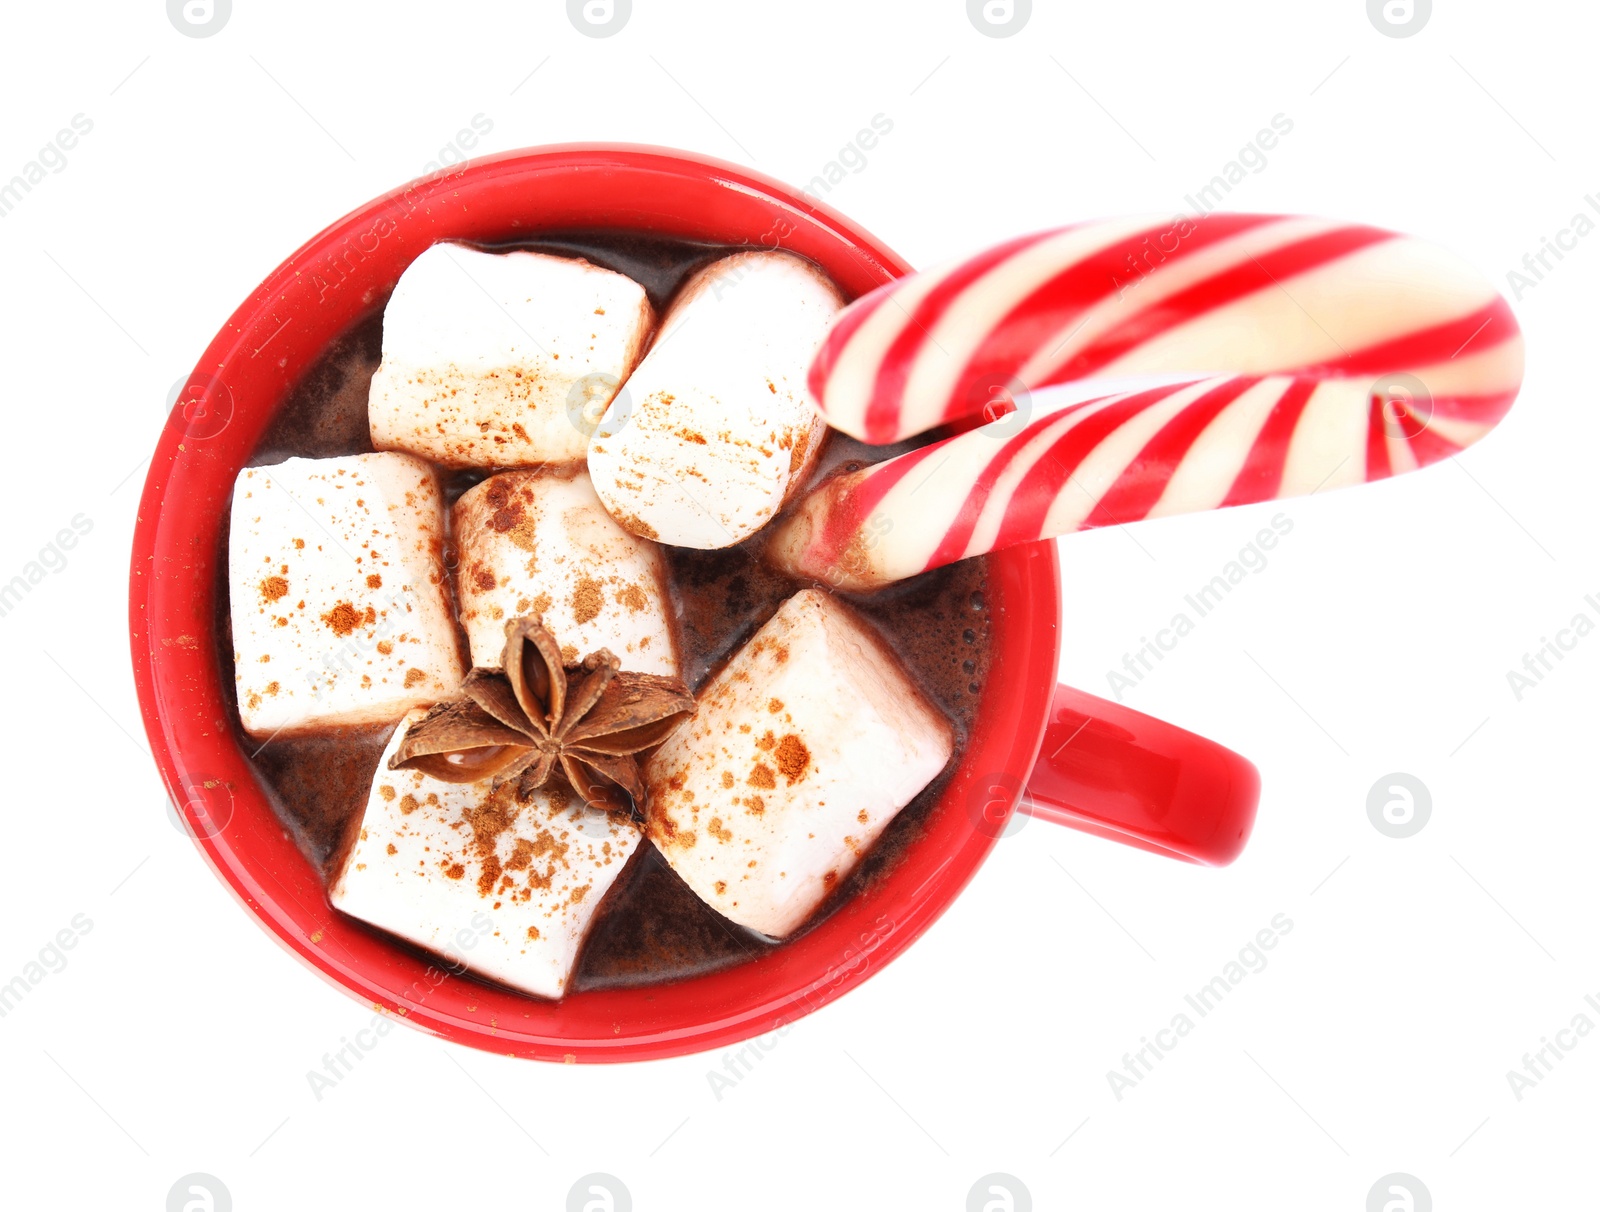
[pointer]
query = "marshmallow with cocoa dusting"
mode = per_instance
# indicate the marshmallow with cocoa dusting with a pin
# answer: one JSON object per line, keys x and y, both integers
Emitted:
{"x": 503, "y": 359}
{"x": 505, "y": 888}
{"x": 337, "y": 593}
{"x": 540, "y": 542}
{"x": 803, "y": 749}
{"x": 715, "y": 430}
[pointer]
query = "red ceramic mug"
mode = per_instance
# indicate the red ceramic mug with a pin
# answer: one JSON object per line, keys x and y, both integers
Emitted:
{"x": 1100, "y": 766}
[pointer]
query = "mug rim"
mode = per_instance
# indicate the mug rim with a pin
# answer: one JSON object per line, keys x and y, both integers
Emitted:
{"x": 181, "y": 669}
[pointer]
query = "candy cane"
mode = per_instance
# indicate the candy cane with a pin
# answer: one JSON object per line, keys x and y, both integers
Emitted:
{"x": 1246, "y": 294}
{"x": 1346, "y": 354}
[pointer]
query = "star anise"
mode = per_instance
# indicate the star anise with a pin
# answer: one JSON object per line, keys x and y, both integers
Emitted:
{"x": 535, "y": 716}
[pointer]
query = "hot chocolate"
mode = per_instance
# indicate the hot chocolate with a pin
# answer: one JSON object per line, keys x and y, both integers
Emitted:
{"x": 651, "y": 925}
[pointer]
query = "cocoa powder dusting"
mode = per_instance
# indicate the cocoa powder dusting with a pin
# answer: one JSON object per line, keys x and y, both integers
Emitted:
{"x": 342, "y": 619}
{"x": 793, "y": 758}
{"x": 637, "y": 526}
{"x": 587, "y": 600}
{"x": 507, "y": 518}
{"x": 488, "y": 821}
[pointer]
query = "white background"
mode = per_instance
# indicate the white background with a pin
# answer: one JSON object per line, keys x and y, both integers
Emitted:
{"x": 1418, "y": 971}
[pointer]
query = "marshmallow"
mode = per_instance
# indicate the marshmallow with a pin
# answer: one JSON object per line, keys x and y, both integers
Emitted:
{"x": 540, "y": 542}
{"x": 337, "y": 593}
{"x": 715, "y": 431}
{"x": 504, "y": 888}
{"x": 502, "y": 359}
{"x": 803, "y": 748}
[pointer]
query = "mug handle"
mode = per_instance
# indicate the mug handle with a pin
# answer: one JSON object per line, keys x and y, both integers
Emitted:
{"x": 1120, "y": 774}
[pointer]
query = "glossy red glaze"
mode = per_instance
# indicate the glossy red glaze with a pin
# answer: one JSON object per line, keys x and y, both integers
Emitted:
{"x": 183, "y": 672}
{"x": 1118, "y": 773}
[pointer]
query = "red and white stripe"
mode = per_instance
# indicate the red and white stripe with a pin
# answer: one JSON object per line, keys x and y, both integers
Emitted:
{"x": 1179, "y": 447}
{"x": 1277, "y": 340}
{"x": 1222, "y": 294}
